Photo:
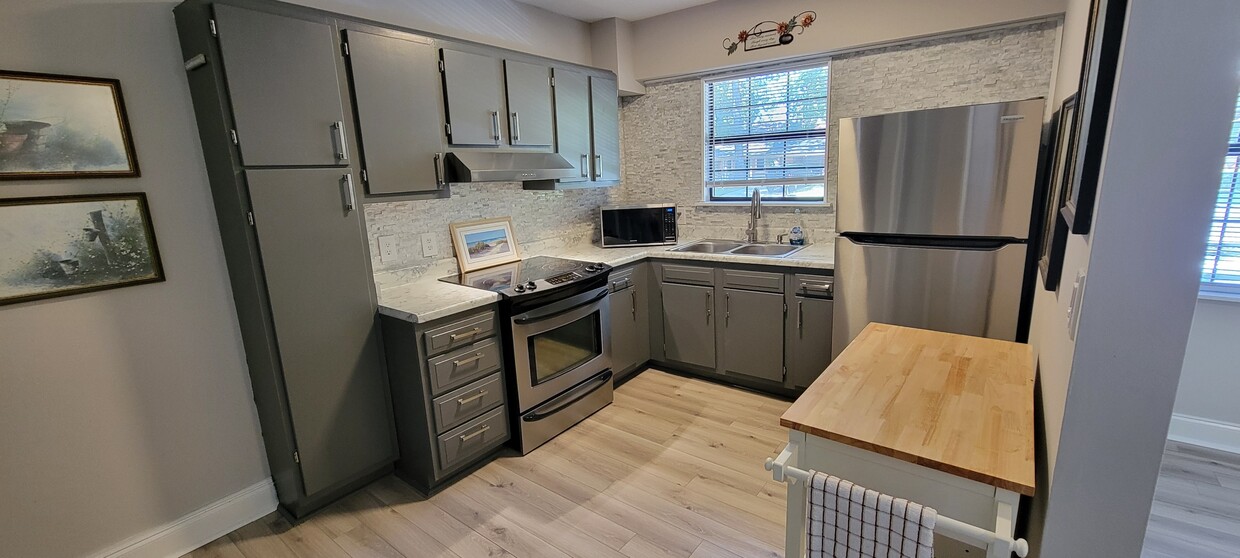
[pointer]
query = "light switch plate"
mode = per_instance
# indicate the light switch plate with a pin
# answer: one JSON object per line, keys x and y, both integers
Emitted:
{"x": 1074, "y": 304}
{"x": 429, "y": 248}
{"x": 387, "y": 248}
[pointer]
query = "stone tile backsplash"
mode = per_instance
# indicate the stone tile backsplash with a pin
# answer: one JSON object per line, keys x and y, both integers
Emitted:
{"x": 662, "y": 136}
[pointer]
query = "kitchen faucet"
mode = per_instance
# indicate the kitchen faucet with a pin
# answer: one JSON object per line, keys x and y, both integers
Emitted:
{"x": 755, "y": 213}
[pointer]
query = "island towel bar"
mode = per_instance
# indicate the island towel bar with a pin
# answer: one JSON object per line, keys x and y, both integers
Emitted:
{"x": 959, "y": 530}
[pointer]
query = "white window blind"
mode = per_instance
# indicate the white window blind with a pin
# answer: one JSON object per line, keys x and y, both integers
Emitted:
{"x": 767, "y": 132}
{"x": 1221, "y": 271}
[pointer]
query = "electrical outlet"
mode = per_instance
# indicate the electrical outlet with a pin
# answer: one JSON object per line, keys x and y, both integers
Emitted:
{"x": 387, "y": 248}
{"x": 429, "y": 249}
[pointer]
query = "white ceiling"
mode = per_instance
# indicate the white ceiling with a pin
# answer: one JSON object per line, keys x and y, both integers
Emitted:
{"x": 632, "y": 10}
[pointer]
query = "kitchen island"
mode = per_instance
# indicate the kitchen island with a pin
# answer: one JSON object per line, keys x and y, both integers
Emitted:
{"x": 941, "y": 419}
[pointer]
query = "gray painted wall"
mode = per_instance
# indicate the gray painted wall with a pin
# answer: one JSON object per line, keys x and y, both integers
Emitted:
{"x": 1160, "y": 166}
{"x": 1211, "y": 376}
{"x": 123, "y": 410}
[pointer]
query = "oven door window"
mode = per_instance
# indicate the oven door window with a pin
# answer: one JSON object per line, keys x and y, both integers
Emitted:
{"x": 560, "y": 350}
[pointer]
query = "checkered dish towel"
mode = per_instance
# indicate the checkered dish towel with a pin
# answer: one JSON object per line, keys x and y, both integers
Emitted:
{"x": 844, "y": 520}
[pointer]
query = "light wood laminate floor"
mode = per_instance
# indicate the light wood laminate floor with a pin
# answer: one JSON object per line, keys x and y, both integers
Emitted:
{"x": 672, "y": 468}
{"x": 1196, "y": 511}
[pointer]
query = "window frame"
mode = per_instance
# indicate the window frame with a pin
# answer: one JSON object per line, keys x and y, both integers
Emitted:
{"x": 1231, "y": 218}
{"x": 708, "y": 186}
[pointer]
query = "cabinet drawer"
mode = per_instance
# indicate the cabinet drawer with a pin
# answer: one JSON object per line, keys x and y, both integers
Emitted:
{"x": 473, "y": 438}
{"x": 460, "y": 333}
{"x": 463, "y": 366}
{"x": 461, "y": 405}
{"x": 813, "y": 286}
{"x": 689, "y": 275}
{"x": 621, "y": 280}
{"x": 753, "y": 281}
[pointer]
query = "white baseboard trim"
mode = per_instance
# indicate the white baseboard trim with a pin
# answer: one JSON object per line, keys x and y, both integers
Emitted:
{"x": 199, "y": 527}
{"x": 1214, "y": 434}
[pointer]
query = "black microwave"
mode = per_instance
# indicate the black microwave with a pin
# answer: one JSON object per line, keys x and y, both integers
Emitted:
{"x": 638, "y": 225}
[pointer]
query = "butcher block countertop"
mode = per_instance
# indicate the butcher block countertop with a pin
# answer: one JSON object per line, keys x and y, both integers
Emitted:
{"x": 962, "y": 405}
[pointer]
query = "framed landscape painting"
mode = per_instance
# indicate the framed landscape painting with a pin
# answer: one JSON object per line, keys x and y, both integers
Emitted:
{"x": 54, "y": 126}
{"x": 58, "y": 246}
{"x": 484, "y": 243}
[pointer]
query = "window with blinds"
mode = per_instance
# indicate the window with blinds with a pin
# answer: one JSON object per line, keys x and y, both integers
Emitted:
{"x": 767, "y": 132}
{"x": 1221, "y": 271}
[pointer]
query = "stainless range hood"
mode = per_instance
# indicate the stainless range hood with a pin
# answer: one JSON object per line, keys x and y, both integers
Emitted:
{"x": 491, "y": 166}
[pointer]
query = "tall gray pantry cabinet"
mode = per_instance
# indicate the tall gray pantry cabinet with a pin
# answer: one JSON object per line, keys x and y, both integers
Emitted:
{"x": 271, "y": 96}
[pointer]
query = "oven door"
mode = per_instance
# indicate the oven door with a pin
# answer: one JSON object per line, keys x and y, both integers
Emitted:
{"x": 560, "y": 345}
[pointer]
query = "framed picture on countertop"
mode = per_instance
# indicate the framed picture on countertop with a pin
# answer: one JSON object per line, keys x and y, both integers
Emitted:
{"x": 484, "y": 243}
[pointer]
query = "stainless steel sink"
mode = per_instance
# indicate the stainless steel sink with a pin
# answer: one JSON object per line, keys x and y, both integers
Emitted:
{"x": 738, "y": 248}
{"x": 709, "y": 246}
{"x": 766, "y": 249}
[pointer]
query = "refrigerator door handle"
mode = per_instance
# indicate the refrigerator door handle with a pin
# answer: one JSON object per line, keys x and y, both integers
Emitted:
{"x": 987, "y": 244}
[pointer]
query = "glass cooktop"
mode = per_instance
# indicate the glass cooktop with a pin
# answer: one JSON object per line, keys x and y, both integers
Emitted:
{"x": 527, "y": 275}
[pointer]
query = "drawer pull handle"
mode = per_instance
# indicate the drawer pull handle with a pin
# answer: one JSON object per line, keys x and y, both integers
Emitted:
{"x": 475, "y": 434}
{"x": 816, "y": 287}
{"x": 465, "y": 400}
{"x": 464, "y": 361}
{"x": 469, "y": 333}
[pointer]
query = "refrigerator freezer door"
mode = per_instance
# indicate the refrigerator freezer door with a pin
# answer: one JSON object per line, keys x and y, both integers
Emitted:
{"x": 962, "y": 171}
{"x": 972, "y": 292}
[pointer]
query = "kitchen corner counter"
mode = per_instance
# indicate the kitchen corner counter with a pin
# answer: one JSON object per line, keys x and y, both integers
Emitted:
{"x": 427, "y": 298}
{"x": 957, "y": 404}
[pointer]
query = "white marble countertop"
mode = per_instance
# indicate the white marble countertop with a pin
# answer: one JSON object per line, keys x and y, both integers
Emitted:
{"x": 427, "y": 298}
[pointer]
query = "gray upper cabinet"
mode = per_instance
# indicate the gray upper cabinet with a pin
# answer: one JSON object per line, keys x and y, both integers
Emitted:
{"x": 751, "y": 343}
{"x": 397, "y": 99}
{"x": 605, "y": 128}
{"x": 529, "y": 103}
{"x": 572, "y": 121}
{"x": 333, "y": 367}
{"x": 473, "y": 86}
{"x": 689, "y": 324}
{"x": 282, "y": 82}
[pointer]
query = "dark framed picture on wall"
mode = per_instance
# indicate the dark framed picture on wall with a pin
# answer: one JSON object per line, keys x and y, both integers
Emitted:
{"x": 63, "y": 245}
{"x": 54, "y": 126}
{"x": 1057, "y": 172}
{"x": 1102, "y": 45}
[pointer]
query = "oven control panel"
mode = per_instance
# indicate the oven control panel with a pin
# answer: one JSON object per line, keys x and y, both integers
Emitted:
{"x": 564, "y": 278}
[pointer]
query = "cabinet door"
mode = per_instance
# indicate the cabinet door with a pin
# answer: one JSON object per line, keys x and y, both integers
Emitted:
{"x": 396, "y": 95}
{"x": 572, "y": 121}
{"x": 624, "y": 333}
{"x": 529, "y": 103}
{"x": 753, "y": 334}
{"x": 282, "y": 81}
{"x": 319, "y": 285}
{"x": 605, "y": 128}
{"x": 689, "y": 324}
{"x": 641, "y": 315}
{"x": 809, "y": 340}
{"x": 473, "y": 87}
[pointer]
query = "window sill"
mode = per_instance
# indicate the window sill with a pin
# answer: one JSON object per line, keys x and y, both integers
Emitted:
{"x": 765, "y": 204}
{"x": 1217, "y": 296}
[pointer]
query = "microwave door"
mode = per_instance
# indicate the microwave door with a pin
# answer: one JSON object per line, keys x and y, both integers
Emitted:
{"x": 638, "y": 226}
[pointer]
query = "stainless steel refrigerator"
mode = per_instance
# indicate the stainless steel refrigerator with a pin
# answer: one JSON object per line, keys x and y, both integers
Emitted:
{"x": 934, "y": 211}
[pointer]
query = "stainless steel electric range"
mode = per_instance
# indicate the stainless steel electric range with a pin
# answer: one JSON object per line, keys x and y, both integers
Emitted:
{"x": 554, "y": 314}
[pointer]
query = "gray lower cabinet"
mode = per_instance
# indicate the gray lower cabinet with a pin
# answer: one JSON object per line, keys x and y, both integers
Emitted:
{"x": 397, "y": 98}
{"x": 810, "y": 310}
{"x": 448, "y": 394}
{"x": 529, "y": 103}
{"x": 766, "y": 330}
{"x": 605, "y": 128}
{"x": 630, "y": 320}
{"x": 473, "y": 87}
{"x": 320, "y": 292}
{"x": 689, "y": 324}
{"x": 283, "y": 87}
{"x": 572, "y": 121}
{"x": 751, "y": 334}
